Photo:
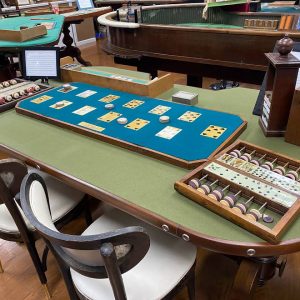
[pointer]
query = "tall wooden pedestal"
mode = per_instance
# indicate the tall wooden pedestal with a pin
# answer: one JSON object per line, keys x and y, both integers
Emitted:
{"x": 281, "y": 79}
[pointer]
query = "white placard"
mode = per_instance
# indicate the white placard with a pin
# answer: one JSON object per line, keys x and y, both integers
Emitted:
{"x": 41, "y": 63}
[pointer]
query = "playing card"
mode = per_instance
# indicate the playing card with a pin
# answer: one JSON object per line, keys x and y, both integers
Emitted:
{"x": 159, "y": 110}
{"x": 109, "y": 98}
{"x": 137, "y": 124}
{"x": 213, "y": 131}
{"x": 41, "y": 99}
{"x": 91, "y": 126}
{"x": 109, "y": 116}
{"x": 168, "y": 132}
{"x": 189, "y": 116}
{"x": 61, "y": 104}
{"x": 84, "y": 110}
{"x": 133, "y": 103}
{"x": 86, "y": 94}
{"x": 72, "y": 88}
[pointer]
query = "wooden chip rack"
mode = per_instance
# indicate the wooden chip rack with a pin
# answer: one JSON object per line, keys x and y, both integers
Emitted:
{"x": 14, "y": 88}
{"x": 279, "y": 194}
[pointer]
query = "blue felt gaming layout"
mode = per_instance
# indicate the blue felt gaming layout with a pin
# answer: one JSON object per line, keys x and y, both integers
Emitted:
{"x": 186, "y": 141}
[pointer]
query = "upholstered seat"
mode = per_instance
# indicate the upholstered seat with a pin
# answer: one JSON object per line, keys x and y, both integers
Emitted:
{"x": 63, "y": 200}
{"x": 167, "y": 261}
{"x": 152, "y": 272}
{"x": 66, "y": 203}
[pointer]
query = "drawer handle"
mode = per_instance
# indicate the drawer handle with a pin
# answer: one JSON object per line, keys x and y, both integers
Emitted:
{"x": 165, "y": 227}
{"x": 185, "y": 237}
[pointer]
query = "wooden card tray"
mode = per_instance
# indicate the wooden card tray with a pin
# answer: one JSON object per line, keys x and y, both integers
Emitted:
{"x": 152, "y": 88}
{"x": 23, "y": 35}
{"x": 274, "y": 195}
{"x": 20, "y": 85}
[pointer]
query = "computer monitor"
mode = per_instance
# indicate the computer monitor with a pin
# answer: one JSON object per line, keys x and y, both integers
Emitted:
{"x": 85, "y": 4}
{"x": 40, "y": 63}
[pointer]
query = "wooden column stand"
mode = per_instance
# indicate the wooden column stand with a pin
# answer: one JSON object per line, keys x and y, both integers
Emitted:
{"x": 281, "y": 79}
{"x": 292, "y": 134}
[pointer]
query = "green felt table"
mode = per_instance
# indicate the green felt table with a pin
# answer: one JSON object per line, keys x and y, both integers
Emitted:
{"x": 142, "y": 185}
{"x": 15, "y": 23}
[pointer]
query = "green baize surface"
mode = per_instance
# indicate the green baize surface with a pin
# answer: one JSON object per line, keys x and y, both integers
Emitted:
{"x": 139, "y": 179}
{"x": 210, "y": 25}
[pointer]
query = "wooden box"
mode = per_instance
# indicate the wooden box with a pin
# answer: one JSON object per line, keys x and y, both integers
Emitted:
{"x": 20, "y": 85}
{"x": 273, "y": 195}
{"x": 152, "y": 88}
{"x": 23, "y": 35}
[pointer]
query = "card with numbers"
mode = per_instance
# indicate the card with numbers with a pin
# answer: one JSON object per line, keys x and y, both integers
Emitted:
{"x": 189, "y": 116}
{"x": 213, "y": 131}
{"x": 109, "y": 116}
{"x": 41, "y": 99}
{"x": 109, "y": 98}
{"x": 61, "y": 104}
{"x": 137, "y": 124}
{"x": 84, "y": 110}
{"x": 133, "y": 103}
{"x": 168, "y": 132}
{"x": 86, "y": 94}
{"x": 159, "y": 110}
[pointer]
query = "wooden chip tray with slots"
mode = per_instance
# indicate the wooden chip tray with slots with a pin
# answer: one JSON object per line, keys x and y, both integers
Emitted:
{"x": 280, "y": 193}
{"x": 21, "y": 85}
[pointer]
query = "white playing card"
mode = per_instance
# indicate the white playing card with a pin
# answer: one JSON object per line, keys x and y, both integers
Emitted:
{"x": 159, "y": 110}
{"x": 84, "y": 110}
{"x": 168, "y": 132}
{"x": 86, "y": 94}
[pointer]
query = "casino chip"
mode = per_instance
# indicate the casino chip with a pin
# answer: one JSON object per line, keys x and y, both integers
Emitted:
{"x": 164, "y": 119}
{"x": 109, "y": 106}
{"x": 268, "y": 219}
{"x": 122, "y": 121}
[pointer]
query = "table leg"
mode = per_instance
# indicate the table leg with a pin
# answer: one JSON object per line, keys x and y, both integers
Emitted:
{"x": 194, "y": 80}
{"x": 255, "y": 272}
{"x": 245, "y": 280}
{"x": 7, "y": 68}
{"x": 70, "y": 50}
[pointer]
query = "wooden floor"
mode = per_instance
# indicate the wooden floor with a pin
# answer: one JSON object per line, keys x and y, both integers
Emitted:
{"x": 214, "y": 277}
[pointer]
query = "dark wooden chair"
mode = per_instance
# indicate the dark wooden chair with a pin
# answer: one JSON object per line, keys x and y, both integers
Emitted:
{"x": 66, "y": 203}
{"x": 116, "y": 257}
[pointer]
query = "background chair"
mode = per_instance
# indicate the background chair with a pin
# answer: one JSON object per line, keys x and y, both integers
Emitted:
{"x": 66, "y": 203}
{"x": 112, "y": 260}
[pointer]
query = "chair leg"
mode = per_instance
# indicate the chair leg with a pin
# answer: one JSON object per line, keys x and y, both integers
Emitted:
{"x": 191, "y": 289}
{"x": 44, "y": 258}
{"x": 191, "y": 284}
{"x": 37, "y": 262}
{"x": 46, "y": 291}
{"x": 1, "y": 268}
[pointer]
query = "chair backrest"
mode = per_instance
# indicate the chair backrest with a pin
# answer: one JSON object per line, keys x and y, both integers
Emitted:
{"x": 69, "y": 250}
{"x": 12, "y": 172}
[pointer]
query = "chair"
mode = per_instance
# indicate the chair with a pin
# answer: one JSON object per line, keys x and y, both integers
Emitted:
{"x": 116, "y": 257}
{"x": 66, "y": 203}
